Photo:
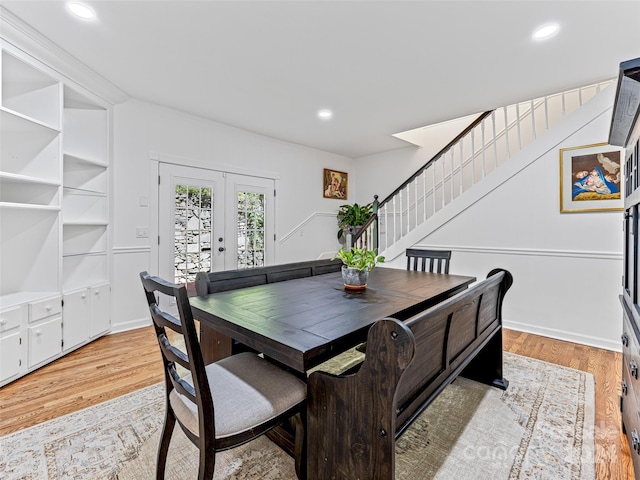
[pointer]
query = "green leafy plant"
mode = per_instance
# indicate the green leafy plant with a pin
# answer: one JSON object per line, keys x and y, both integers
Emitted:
{"x": 353, "y": 216}
{"x": 360, "y": 258}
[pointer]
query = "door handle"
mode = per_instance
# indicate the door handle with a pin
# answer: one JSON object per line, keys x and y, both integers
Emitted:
{"x": 221, "y": 249}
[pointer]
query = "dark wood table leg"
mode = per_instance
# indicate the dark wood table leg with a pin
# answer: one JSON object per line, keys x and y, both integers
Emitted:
{"x": 214, "y": 345}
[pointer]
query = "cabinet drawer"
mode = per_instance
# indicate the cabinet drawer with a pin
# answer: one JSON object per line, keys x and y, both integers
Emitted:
{"x": 10, "y": 318}
{"x": 45, "y": 308}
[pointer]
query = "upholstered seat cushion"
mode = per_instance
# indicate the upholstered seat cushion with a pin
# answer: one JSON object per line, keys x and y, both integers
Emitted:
{"x": 246, "y": 389}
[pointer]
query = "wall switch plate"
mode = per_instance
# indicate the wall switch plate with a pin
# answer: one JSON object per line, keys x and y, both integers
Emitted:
{"x": 142, "y": 232}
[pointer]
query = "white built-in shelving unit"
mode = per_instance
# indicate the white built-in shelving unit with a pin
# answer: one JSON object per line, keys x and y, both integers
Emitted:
{"x": 54, "y": 215}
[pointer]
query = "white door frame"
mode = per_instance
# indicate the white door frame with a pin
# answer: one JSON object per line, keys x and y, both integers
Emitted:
{"x": 155, "y": 159}
{"x": 171, "y": 175}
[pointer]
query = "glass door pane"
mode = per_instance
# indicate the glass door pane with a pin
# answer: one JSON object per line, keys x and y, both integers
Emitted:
{"x": 251, "y": 229}
{"x": 193, "y": 230}
{"x": 251, "y": 235}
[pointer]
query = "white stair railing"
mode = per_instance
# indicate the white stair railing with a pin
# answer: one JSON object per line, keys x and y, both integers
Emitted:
{"x": 496, "y": 137}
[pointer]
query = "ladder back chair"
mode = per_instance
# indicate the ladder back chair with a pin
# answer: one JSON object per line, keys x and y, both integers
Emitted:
{"x": 434, "y": 261}
{"x": 224, "y": 404}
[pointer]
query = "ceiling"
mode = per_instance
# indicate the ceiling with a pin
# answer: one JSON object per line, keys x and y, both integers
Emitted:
{"x": 382, "y": 66}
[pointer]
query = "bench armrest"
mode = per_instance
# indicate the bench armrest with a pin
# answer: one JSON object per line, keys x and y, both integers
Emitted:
{"x": 359, "y": 409}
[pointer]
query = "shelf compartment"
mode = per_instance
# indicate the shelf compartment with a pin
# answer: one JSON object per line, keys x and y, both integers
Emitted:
{"x": 81, "y": 174}
{"x": 29, "y": 250}
{"x": 84, "y": 239}
{"x": 29, "y": 91}
{"x": 28, "y": 148}
{"x": 69, "y": 157}
{"x": 81, "y": 270}
{"x": 79, "y": 207}
{"x": 19, "y": 189}
{"x": 86, "y": 128}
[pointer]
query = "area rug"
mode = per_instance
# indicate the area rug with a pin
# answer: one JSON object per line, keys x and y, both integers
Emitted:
{"x": 541, "y": 427}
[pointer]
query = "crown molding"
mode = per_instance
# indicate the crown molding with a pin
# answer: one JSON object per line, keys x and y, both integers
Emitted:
{"x": 22, "y": 36}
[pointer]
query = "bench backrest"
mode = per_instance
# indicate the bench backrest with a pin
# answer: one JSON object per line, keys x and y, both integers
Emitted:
{"x": 212, "y": 282}
{"x": 407, "y": 364}
{"x": 445, "y": 337}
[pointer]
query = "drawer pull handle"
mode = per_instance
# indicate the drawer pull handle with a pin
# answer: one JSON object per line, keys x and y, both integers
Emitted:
{"x": 38, "y": 333}
{"x": 3, "y": 321}
{"x": 83, "y": 296}
{"x": 625, "y": 339}
{"x": 633, "y": 366}
{"x": 624, "y": 387}
{"x": 48, "y": 308}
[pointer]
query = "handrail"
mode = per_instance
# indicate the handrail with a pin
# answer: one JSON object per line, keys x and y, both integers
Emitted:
{"x": 461, "y": 135}
{"x": 487, "y": 142}
{"x": 373, "y": 220}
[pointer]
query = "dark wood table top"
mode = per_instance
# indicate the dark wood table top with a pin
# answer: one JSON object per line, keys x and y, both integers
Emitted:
{"x": 304, "y": 322}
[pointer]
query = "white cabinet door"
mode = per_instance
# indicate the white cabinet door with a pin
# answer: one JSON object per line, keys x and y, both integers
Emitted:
{"x": 45, "y": 340}
{"x": 10, "y": 342}
{"x": 100, "y": 310}
{"x": 10, "y": 355}
{"x": 75, "y": 318}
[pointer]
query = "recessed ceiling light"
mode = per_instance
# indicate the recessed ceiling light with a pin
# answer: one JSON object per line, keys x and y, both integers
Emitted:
{"x": 325, "y": 114}
{"x": 546, "y": 31}
{"x": 81, "y": 10}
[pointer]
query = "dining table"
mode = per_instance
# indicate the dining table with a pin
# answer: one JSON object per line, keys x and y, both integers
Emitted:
{"x": 304, "y": 322}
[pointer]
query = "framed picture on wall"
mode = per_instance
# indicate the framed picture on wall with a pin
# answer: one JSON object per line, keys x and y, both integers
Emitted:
{"x": 335, "y": 184}
{"x": 591, "y": 178}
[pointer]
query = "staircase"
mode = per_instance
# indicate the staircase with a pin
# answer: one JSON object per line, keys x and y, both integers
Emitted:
{"x": 488, "y": 143}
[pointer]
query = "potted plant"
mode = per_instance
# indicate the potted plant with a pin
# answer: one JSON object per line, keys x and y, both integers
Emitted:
{"x": 352, "y": 216}
{"x": 357, "y": 263}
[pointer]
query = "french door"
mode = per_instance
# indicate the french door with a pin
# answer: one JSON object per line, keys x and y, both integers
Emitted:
{"x": 210, "y": 221}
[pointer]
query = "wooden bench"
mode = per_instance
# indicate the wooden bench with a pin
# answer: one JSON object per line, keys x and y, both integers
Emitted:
{"x": 212, "y": 282}
{"x": 353, "y": 420}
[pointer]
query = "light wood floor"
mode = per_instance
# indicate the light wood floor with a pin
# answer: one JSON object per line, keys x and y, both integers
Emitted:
{"x": 123, "y": 362}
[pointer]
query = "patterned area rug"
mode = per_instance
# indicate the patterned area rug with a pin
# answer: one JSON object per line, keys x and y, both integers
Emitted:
{"x": 541, "y": 427}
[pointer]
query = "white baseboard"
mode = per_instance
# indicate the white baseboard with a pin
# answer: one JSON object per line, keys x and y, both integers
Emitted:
{"x": 564, "y": 335}
{"x": 130, "y": 325}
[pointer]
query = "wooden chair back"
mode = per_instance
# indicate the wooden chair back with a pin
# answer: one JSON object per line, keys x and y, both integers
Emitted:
{"x": 425, "y": 260}
{"x": 192, "y": 393}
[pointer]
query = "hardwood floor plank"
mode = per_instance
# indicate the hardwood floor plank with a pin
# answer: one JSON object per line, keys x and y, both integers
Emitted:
{"x": 107, "y": 368}
{"x": 123, "y": 362}
{"x": 612, "y": 453}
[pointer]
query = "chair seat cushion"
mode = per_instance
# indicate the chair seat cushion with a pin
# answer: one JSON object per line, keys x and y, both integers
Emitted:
{"x": 246, "y": 390}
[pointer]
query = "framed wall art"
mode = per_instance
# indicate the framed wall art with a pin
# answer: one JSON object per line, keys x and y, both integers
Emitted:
{"x": 591, "y": 178}
{"x": 335, "y": 184}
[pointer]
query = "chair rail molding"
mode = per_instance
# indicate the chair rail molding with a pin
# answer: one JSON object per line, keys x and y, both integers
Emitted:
{"x": 536, "y": 252}
{"x": 131, "y": 250}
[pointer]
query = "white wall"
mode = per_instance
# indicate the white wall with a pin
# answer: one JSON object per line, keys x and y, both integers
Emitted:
{"x": 306, "y": 222}
{"x": 567, "y": 267}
